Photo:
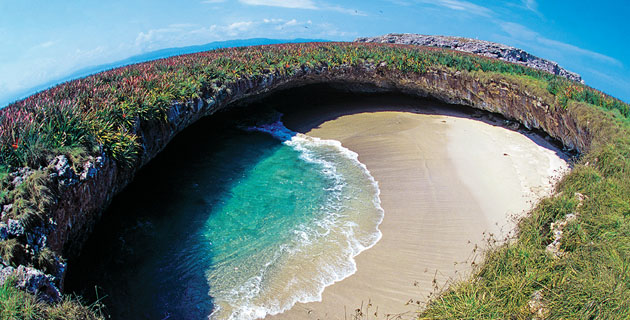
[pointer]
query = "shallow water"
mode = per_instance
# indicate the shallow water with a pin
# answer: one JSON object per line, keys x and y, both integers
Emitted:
{"x": 239, "y": 224}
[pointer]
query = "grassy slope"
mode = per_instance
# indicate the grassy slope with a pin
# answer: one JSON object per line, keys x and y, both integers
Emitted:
{"x": 17, "y": 305}
{"x": 100, "y": 113}
{"x": 592, "y": 279}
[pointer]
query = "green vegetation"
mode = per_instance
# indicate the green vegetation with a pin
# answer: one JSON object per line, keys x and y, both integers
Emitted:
{"x": 16, "y": 304}
{"x": 592, "y": 278}
{"x": 102, "y": 110}
{"x": 102, "y": 113}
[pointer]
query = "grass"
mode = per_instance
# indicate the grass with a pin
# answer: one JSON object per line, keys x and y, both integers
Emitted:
{"x": 101, "y": 115}
{"x": 4, "y": 181}
{"x": 16, "y": 304}
{"x": 102, "y": 110}
{"x": 591, "y": 280}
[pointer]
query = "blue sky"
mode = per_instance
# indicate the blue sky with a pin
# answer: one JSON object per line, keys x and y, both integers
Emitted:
{"x": 45, "y": 40}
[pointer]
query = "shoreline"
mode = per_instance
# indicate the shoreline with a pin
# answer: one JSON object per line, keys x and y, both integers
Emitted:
{"x": 437, "y": 210}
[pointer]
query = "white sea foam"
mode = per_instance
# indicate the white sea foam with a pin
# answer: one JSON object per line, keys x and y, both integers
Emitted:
{"x": 242, "y": 301}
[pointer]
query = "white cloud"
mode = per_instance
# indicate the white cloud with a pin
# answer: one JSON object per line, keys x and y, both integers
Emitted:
{"x": 353, "y": 12}
{"x": 401, "y": 2}
{"x": 188, "y": 34}
{"x": 144, "y": 38}
{"x": 518, "y": 31}
{"x": 531, "y": 5}
{"x": 330, "y": 30}
{"x": 580, "y": 51}
{"x": 181, "y": 25}
{"x": 148, "y": 40}
{"x": 239, "y": 26}
{"x": 184, "y": 34}
{"x": 296, "y": 4}
{"x": 612, "y": 79}
{"x": 30, "y": 71}
{"x": 219, "y": 32}
{"x": 34, "y": 70}
{"x": 532, "y": 38}
{"x": 303, "y": 4}
{"x": 89, "y": 54}
{"x": 272, "y": 20}
{"x": 47, "y": 44}
{"x": 460, "y": 5}
{"x": 291, "y": 23}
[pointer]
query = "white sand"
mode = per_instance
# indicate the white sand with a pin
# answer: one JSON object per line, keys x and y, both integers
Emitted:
{"x": 445, "y": 182}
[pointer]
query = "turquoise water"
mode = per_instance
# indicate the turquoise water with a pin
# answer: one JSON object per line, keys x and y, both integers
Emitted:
{"x": 258, "y": 220}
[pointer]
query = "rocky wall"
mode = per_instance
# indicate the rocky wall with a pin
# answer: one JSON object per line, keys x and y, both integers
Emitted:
{"x": 82, "y": 194}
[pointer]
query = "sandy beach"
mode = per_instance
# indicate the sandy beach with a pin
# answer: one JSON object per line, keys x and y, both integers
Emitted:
{"x": 446, "y": 180}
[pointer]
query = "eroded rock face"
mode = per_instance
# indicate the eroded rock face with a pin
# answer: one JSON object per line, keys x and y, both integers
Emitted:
{"x": 4, "y": 232}
{"x": 33, "y": 281}
{"x": 81, "y": 202}
{"x": 480, "y": 47}
{"x": 83, "y": 191}
{"x": 14, "y": 228}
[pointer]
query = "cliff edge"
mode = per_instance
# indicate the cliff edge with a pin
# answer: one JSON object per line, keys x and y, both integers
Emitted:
{"x": 67, "y": 151}
{"x": 480, "y": 47}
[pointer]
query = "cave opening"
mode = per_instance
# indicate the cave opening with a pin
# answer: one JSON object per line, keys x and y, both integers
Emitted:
{"x": 150, "y": 254}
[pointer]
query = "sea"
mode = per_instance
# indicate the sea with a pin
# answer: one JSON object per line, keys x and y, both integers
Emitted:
{"x": 234, "y": 223}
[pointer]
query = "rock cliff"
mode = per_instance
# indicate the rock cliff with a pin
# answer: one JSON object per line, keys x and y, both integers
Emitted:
{"x": 480, "y": 47}
{"x": 82, "y": 201}
{"x": 82, "y": 191}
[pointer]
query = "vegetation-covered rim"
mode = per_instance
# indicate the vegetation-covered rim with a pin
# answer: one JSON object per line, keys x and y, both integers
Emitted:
{"x": 101, "y": 114}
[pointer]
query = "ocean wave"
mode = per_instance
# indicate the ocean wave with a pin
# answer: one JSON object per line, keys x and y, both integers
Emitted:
{"x": 339, "y": 232}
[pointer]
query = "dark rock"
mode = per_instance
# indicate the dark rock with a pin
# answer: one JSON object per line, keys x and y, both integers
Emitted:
{"x": 78, "y": 206}
{"x": 62, "y": 170}
{"x": 5, "y": 210}
{"x": 38, "y": 283}
{"x": 4, "y": 232}
{"x": 20, "y": 176}
{"x": 36, "y": 238}
{"x": 480, "y": 47}
{"x": 90, "y": 168}
{"x": 5, "y": 272}
{"x": 14, "y": 228}
{"x": 512, "y": 125}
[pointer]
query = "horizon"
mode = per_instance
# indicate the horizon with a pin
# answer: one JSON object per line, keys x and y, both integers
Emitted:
{"x": 46, "y": 44}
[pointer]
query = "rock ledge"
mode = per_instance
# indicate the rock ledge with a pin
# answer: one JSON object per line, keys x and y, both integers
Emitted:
{"x": 480, "y": 47}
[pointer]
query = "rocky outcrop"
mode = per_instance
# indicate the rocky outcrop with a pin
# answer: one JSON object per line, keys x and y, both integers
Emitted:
{"x": 557, "y": 229}
{"x": 83, "y": 191}
{"x": 81, "y": 203}
{"x": 480, "y": 47}
{"x": 31, "y": 280}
